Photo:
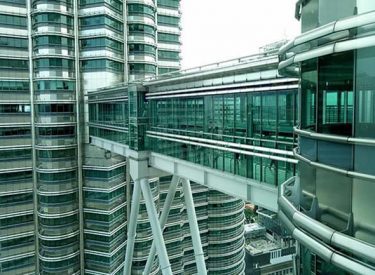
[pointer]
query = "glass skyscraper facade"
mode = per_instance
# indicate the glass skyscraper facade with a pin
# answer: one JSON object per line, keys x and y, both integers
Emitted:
{"x": 328, "y": 206}
{"x": 75, "y": 72}
{"x": 62, "y": 207}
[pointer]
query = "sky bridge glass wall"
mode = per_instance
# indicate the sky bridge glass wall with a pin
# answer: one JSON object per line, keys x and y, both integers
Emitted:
{"x": 260, "y": 119}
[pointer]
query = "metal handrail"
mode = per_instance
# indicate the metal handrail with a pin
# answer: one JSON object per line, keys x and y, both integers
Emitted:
{"x": 327, "y": 237}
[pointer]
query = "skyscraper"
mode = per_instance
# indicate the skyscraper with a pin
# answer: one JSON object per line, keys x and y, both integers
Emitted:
{"x": 328, "y": 207}
{"x": 51, "y": 54}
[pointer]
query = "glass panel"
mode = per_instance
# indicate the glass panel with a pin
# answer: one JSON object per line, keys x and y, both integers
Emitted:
{"x": 335, "y": 98}
{"x": 335, "y": 194}
{"x": 309, "y": 80}
{"x": 336, "y": 154}
{"x": 365, "y": 93}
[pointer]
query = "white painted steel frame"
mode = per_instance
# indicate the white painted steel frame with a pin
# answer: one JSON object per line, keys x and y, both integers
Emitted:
{"x": 132, "y": 226}
{"x": 194, "y": 229}
{"x": 163, "y": 220}
{"x": 165, "y": 265}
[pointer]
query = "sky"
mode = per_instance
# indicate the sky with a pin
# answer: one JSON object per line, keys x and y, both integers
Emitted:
{"x": 217, "y": 30}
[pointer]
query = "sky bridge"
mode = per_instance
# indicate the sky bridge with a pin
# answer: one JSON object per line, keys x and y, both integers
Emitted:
{"x": 227, "y": 126}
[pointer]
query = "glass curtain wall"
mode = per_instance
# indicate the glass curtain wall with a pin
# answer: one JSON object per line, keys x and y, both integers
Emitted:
{"x": 17, "y": 242}
{"x": 261, "y": 119}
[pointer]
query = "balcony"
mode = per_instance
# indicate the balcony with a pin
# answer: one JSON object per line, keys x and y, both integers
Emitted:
{"x": 56, "y": 186}
{"x": 17, "y": 229}
{"x": 322, "y": 240}
{"x": 57, "y": 208}
{"x": 16, "y": 208}
{"x": 54, "y": 118}
{"x": 13, "y": 186}
{"x": 56, "y": 141}
{"x": 58, "y": 251}
{"x": 18, "y": 249}
{"x": 16, "y": 164}
{"x": 15, "y": 141}
{"x": 57, "y": 230}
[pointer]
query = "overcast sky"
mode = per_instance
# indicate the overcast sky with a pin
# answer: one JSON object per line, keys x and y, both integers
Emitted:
{"x": 217, "y": 30}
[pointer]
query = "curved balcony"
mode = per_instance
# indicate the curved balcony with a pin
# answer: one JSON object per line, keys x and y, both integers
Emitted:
{"x": 63, "y": 96}
{"x": 16, "y": 208}
{"x": 354, "y": 256}
{"x": 17, "y": 228}
{"x": 21, "y": 246}
{"x": 150, "y": 3}
{"x": 141, "y": 19}
{"x": 138, "y": 268}
{"x": 58, "y": 231}
{"x": 10, "y": 118}
{"x": 52, "y": 7}
{"x": 142, "y": 57}
{"x": 106, "y": 221}
{"x": 109, "y": 182}
{"x": 105, "y": 204}
{"x": 219, "y": 236}
{"x": 53, "y": 73}
{"x": 342, "y": 154}
{"x": 239, "y": 269}
{"x": 104, "y": 246}
{"x": 56, "y": 186}
{"x": 227, "y": 208}
{"x": 226, "y": 249}
{"x": 57, "y": 251}
{"x": 61, "y": 266}
{"x": 53, "y": 29}
{"x": 14, "y": 186}
{"x": 56, "y": 140}
{"x": 230, "y": 220}
{"x": 331, "y": 38}
{"x": 139, "y": 38}
{"x": 56, "y": 163}
{"x": 221, "y": 264}
{"x": 50, "y": 50}
{"x": 58, "y": 208}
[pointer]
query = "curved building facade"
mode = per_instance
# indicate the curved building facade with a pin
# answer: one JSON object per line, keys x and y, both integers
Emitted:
{"x": 328, "y": 206}
{"x": 56, "y": 212}
{"x": 55, "y": 142}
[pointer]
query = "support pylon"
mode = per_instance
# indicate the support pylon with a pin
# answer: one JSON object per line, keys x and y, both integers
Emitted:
{"x": 194, "y": 229}
{"x": 163, "y": 219}
{"x": 132, "y": 227}
{"x": 165, "y": 265}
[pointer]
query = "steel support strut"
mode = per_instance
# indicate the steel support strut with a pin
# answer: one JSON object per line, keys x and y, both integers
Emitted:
{"x": 156, "y": 230}
{"x": 132, "y": 226}
{"x": 163, "y": 220}
{"x": 194, "y": 229}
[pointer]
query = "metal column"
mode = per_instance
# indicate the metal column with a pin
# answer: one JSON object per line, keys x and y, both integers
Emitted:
{"x": 194, "y": 229}
{"x": 156, "y": 230}
{"x": 132, "y": 226}
{"x": 163, "y": 220}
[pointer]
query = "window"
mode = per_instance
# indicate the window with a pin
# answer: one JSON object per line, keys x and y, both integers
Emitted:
{"x": 168, "y": 38}
{"x": 365, "y": 93}
{"x": 12, "y": 20}
{"x": 335, "y": 94}
{"x": 169, "y": 55}
{"x": 168, "y": 20}
{"x": 142, "y": 68}
{"x": 142, "y": 10}
{"x": 53, "y": 18}
{"x": 102, "y": 65}
{"x": 97, "y": 21}
{"x": 141, "y": 28}
{"x": 10, "y": 42}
